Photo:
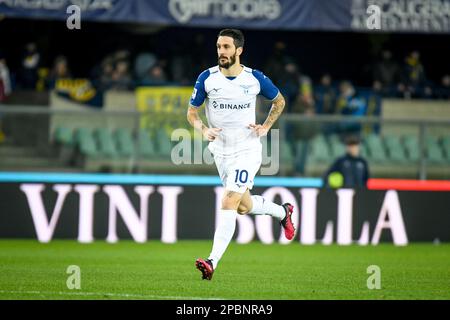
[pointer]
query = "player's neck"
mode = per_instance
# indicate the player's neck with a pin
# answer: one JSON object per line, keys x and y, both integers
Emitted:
{"x": 232, "y": 71}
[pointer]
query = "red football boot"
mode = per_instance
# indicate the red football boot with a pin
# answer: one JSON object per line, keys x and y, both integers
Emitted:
{"x": 205, "y": 267}
{"x": 286, "y": 223}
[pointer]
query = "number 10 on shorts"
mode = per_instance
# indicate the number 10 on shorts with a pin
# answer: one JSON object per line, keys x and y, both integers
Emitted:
{"x": 242, "y": 175}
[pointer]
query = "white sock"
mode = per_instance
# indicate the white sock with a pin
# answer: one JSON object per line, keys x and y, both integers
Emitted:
{"x": 223, "y": 235}
{"x": 262, "y": 206}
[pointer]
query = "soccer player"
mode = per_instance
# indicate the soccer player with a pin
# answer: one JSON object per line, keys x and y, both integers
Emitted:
{"x": 230, "y": 91}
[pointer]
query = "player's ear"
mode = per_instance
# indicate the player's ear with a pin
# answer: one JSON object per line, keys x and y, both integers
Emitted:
{"x": 239, "y": 51}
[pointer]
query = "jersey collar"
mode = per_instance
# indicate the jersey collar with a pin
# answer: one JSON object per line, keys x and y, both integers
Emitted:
{"x": 242, "y": 71}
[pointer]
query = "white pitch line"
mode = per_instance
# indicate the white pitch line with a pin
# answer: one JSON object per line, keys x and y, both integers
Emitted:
{"x": 123, "y": 295}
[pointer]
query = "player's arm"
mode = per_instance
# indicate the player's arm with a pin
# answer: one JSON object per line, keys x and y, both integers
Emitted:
{"x": 197, "y": 99}
{"x": 196, "y": 122}
{"x": 194, "y": 119}
{"x": 270, "y": 92}
{"x": 275, "y": 111}
{"x": 277, "y": 108}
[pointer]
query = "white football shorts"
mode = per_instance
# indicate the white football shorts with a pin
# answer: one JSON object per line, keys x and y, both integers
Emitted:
{"x": 238, "y": 171}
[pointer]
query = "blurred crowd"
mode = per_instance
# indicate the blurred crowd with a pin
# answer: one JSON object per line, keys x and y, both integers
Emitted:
{"x": 121, "y": 70}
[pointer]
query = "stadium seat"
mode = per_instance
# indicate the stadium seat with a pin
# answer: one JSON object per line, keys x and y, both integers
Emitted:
{"x": 164, "y": 143}
{"x": 319, "y": 151}
{"x": 125, "y": 142}
{"x": 337, "y": 148}
{"x": 64, "y": 136}
{"x": 85, "y": 141}
{"x": 145, "y": 144}
{"x": 411, "y": 143}
{"x": 434, "y": 152}
{"x": 106, "y": 144}
{"x": 375, "y": 148}
{"x": 334, "y": 138}
{"x": 286, "y": 154}
{"x": 446, "y": 147}
{"x": 364, "y": 152}
{"x": 395, "y": 150}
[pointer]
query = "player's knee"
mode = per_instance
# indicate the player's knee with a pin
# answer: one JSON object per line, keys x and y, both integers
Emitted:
{"x": 231, "y": 200}
{"x": 242, "y": 209}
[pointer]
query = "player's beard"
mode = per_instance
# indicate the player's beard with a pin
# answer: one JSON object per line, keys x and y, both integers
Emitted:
{"x": 229, "y": 63}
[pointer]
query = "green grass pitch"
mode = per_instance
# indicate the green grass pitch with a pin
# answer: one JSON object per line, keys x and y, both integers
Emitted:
{"x": 128, "y": 270}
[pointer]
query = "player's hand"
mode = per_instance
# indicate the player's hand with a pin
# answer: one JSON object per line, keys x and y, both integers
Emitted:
{"x": 259, "y": 129}
{"x": 211, "y": 133}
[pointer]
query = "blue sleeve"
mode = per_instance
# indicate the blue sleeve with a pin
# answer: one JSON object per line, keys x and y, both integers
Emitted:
{"x": 199, "y": 93}
{"x": 268, "y": 89}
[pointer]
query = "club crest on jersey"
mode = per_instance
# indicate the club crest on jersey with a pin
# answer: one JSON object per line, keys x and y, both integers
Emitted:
{"x": 246, "y": 88}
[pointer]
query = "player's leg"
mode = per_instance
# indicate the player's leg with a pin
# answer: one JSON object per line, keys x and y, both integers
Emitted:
{"x": 254, "y": 204}
{"x": 226, "y": 223}
{"x": 257, "y": 205}
{"x": 283, "y": 213}
{"x": 223, "y": 235}
{"x": 245, "y": 205}
{"x": 266, "y": 207}
{"x": 237, "y": 174}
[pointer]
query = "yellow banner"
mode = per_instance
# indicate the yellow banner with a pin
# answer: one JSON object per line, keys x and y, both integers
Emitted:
{"x": 163, "y": 107}
{"x": 163, "y": 99}
{"x": 80, "y": 90}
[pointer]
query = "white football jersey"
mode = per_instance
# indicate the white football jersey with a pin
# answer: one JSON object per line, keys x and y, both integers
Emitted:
{"x": 230, "y": 106}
